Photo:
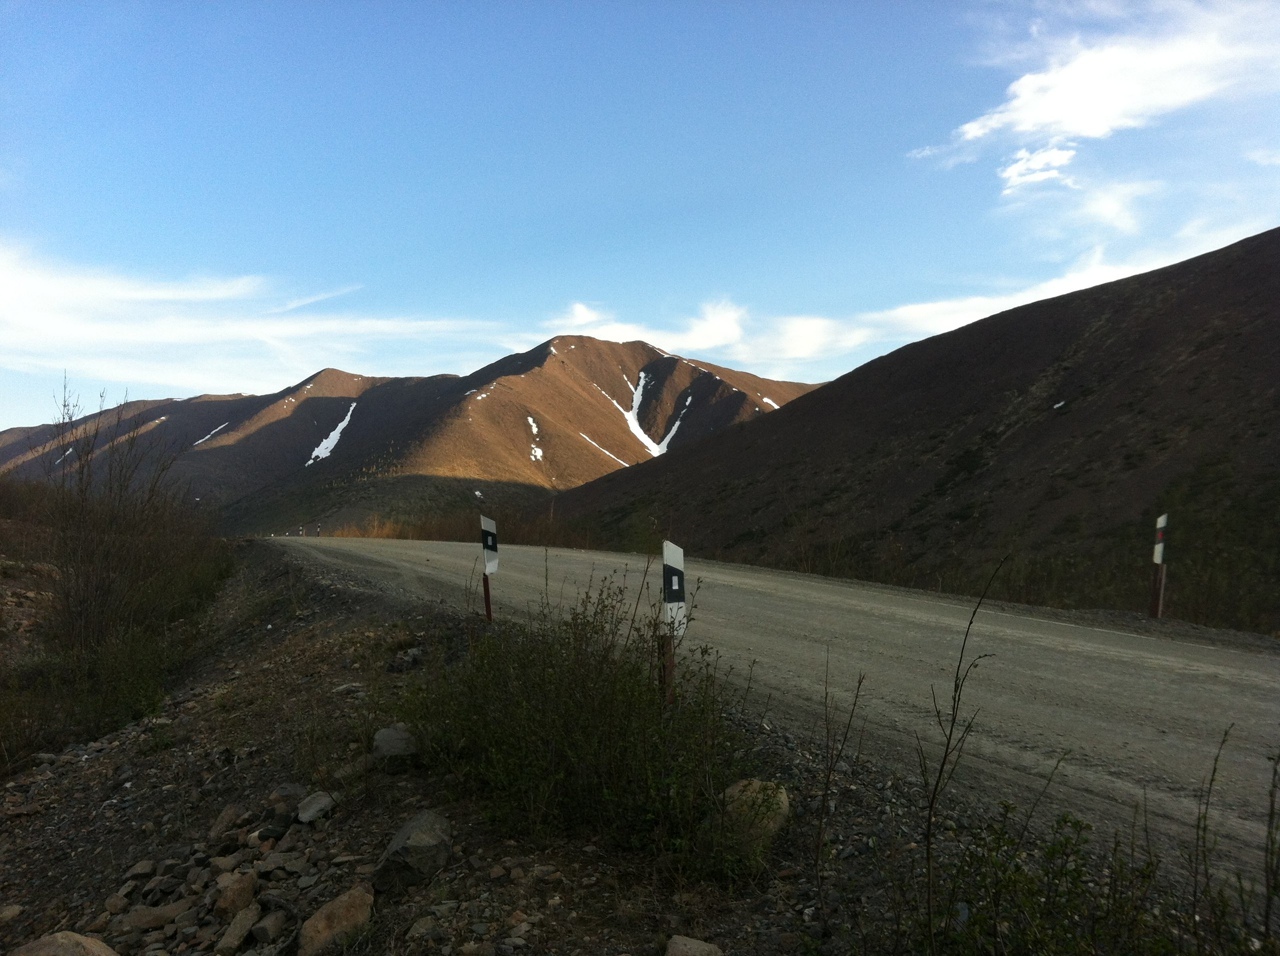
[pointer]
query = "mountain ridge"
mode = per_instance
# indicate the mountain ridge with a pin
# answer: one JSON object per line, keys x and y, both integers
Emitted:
{"x": 562, "y": 413}
{"x": 1054, "y": 432}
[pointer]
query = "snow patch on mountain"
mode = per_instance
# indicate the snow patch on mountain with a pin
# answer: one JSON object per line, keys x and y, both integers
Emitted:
{"x": 769, "y": 401}
{"x": 326, "y": 447}
{"x": 632, "y": 416}
{"x": 214, "y": 432}
{"x": 609, "y": 453}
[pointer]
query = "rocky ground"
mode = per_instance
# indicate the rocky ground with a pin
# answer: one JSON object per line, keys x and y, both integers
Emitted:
{"x": 270, "y": 787}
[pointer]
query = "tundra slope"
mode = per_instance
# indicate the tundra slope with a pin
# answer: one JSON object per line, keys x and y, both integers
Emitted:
{"x": 1056, "y": 432}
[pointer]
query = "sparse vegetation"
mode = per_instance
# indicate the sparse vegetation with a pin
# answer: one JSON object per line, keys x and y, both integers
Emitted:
{"x": 1223, "y": 553}
{"x": 1009, "y": 890}
{"x": 130, "y": 560}
{"x": 563, "y": 724}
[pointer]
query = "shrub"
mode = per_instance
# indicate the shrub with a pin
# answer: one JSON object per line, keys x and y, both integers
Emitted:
{"x": 564, "y": 723}
{"x": 131, "y": 559}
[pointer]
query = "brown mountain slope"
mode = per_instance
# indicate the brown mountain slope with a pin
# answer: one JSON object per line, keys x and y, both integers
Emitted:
{"x": 1056, "y": 432}
{"x": 339, "y": 447}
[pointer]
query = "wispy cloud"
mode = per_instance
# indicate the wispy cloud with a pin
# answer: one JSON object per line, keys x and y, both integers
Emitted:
{"x": 200, "y": 334}
{"x": 817, "y": 348}
{"x": 1091, "y": 91}
{"x": 1096, "y": 70}
{"x": 1040, "y": 166}
{"x": 313, "y": 299}
{"x": 1264, "y": 157}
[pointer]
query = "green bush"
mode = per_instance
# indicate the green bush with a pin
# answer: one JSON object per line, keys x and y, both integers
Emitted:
{"x": 564, "y": 722}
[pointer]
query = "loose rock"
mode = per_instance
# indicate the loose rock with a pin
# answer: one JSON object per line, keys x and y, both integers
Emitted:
{"x": 237, "y": 893}
{"x": 315, "y": 806}
{"x": 65, "y": 944}
{"x": 417, "y": 852}
{"x": 684, "y": 946}
{"x": 238, "y": 930}
{"x": 335, "y": 921}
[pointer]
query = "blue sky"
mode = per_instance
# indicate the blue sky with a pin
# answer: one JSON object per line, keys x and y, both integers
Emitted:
{"x": 227, "y": 197}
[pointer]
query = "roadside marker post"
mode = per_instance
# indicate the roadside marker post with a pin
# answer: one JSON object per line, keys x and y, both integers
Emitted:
{"x": 1157, "y": 558}
{"x": 489, "y": 550}
{"x": 675, "y": 613}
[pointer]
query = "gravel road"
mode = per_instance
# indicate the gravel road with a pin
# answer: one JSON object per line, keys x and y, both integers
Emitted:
{"x": 1138, "y": 716}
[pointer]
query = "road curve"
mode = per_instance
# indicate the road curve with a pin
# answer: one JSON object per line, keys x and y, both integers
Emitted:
{"x": 1139, "y": 717}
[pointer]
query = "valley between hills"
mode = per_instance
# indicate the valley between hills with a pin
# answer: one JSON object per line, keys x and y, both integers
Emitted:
{"x": 158, "y": 769}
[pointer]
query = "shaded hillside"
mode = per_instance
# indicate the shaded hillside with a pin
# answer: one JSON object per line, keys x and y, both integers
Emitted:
{"x": 1055, "y": 432}
{"x": 338, "y": 447}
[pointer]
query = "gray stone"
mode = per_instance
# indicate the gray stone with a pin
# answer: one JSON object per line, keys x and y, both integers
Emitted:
{"x": 419, "y": 850}
{"x": 141, "y": 868}
{"x": 65, "y": 944}
{"x": 236, "y": 933}
{"x": 424, "y": 928}
{"x": 336, "y": 921}
{"x": 225, "y": 821}
{"x": 238, "y": 890}
{"x": 394, "y": 742}
{"x": 269, "y": 928}
{"x": 684, "y": 946}
{"x": 315, "y": 806}
{"x": 154, "y": 917}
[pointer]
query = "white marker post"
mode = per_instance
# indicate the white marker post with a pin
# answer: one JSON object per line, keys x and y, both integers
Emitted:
{"x": 489, "y": 549}
{"x": 675, "y": 613}
{"x": 1157, "y": 557}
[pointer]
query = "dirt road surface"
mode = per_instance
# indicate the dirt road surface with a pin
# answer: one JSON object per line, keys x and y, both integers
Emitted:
{"x": 1138, "y": 717}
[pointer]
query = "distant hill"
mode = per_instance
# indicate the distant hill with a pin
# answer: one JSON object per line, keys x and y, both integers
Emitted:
{"x": 339, "y": 447}
{"x": 1055, "y": 432}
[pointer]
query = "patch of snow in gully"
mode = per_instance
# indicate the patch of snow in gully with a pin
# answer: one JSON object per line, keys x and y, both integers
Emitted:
{"x": 769, "y": 401}
{"x": 326, "y": 447}
{"x": 532, "y": 424}
{"x": 662, "y": 447}
{"x": 633, "y": 417}
{"x": 211, "y": 434}
{"x": 609, "y": 453}
{"x": 535, "y": 453}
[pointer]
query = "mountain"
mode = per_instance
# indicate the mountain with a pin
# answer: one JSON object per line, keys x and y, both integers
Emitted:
{"x": 1055, "y": 433}
{"x": 337, "y": 447}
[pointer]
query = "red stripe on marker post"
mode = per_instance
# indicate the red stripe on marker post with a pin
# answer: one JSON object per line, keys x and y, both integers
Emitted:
{"x": 1157, "y": 558}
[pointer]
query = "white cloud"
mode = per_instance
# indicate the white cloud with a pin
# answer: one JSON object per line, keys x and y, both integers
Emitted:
{"x": 1264, "y": 157}
{"x": 1097, "y": 69}
{"x": 313, "y": 299}
{"x": 1029, "y": 167}
{"x": 1112, "y": 204}
{"x": 203, "y": 334}
{"x": 719, "y": 324}
{"x": 1090, "y": 92}
{"x": 916, "y": 320}
{"x": 818, "y": 348}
